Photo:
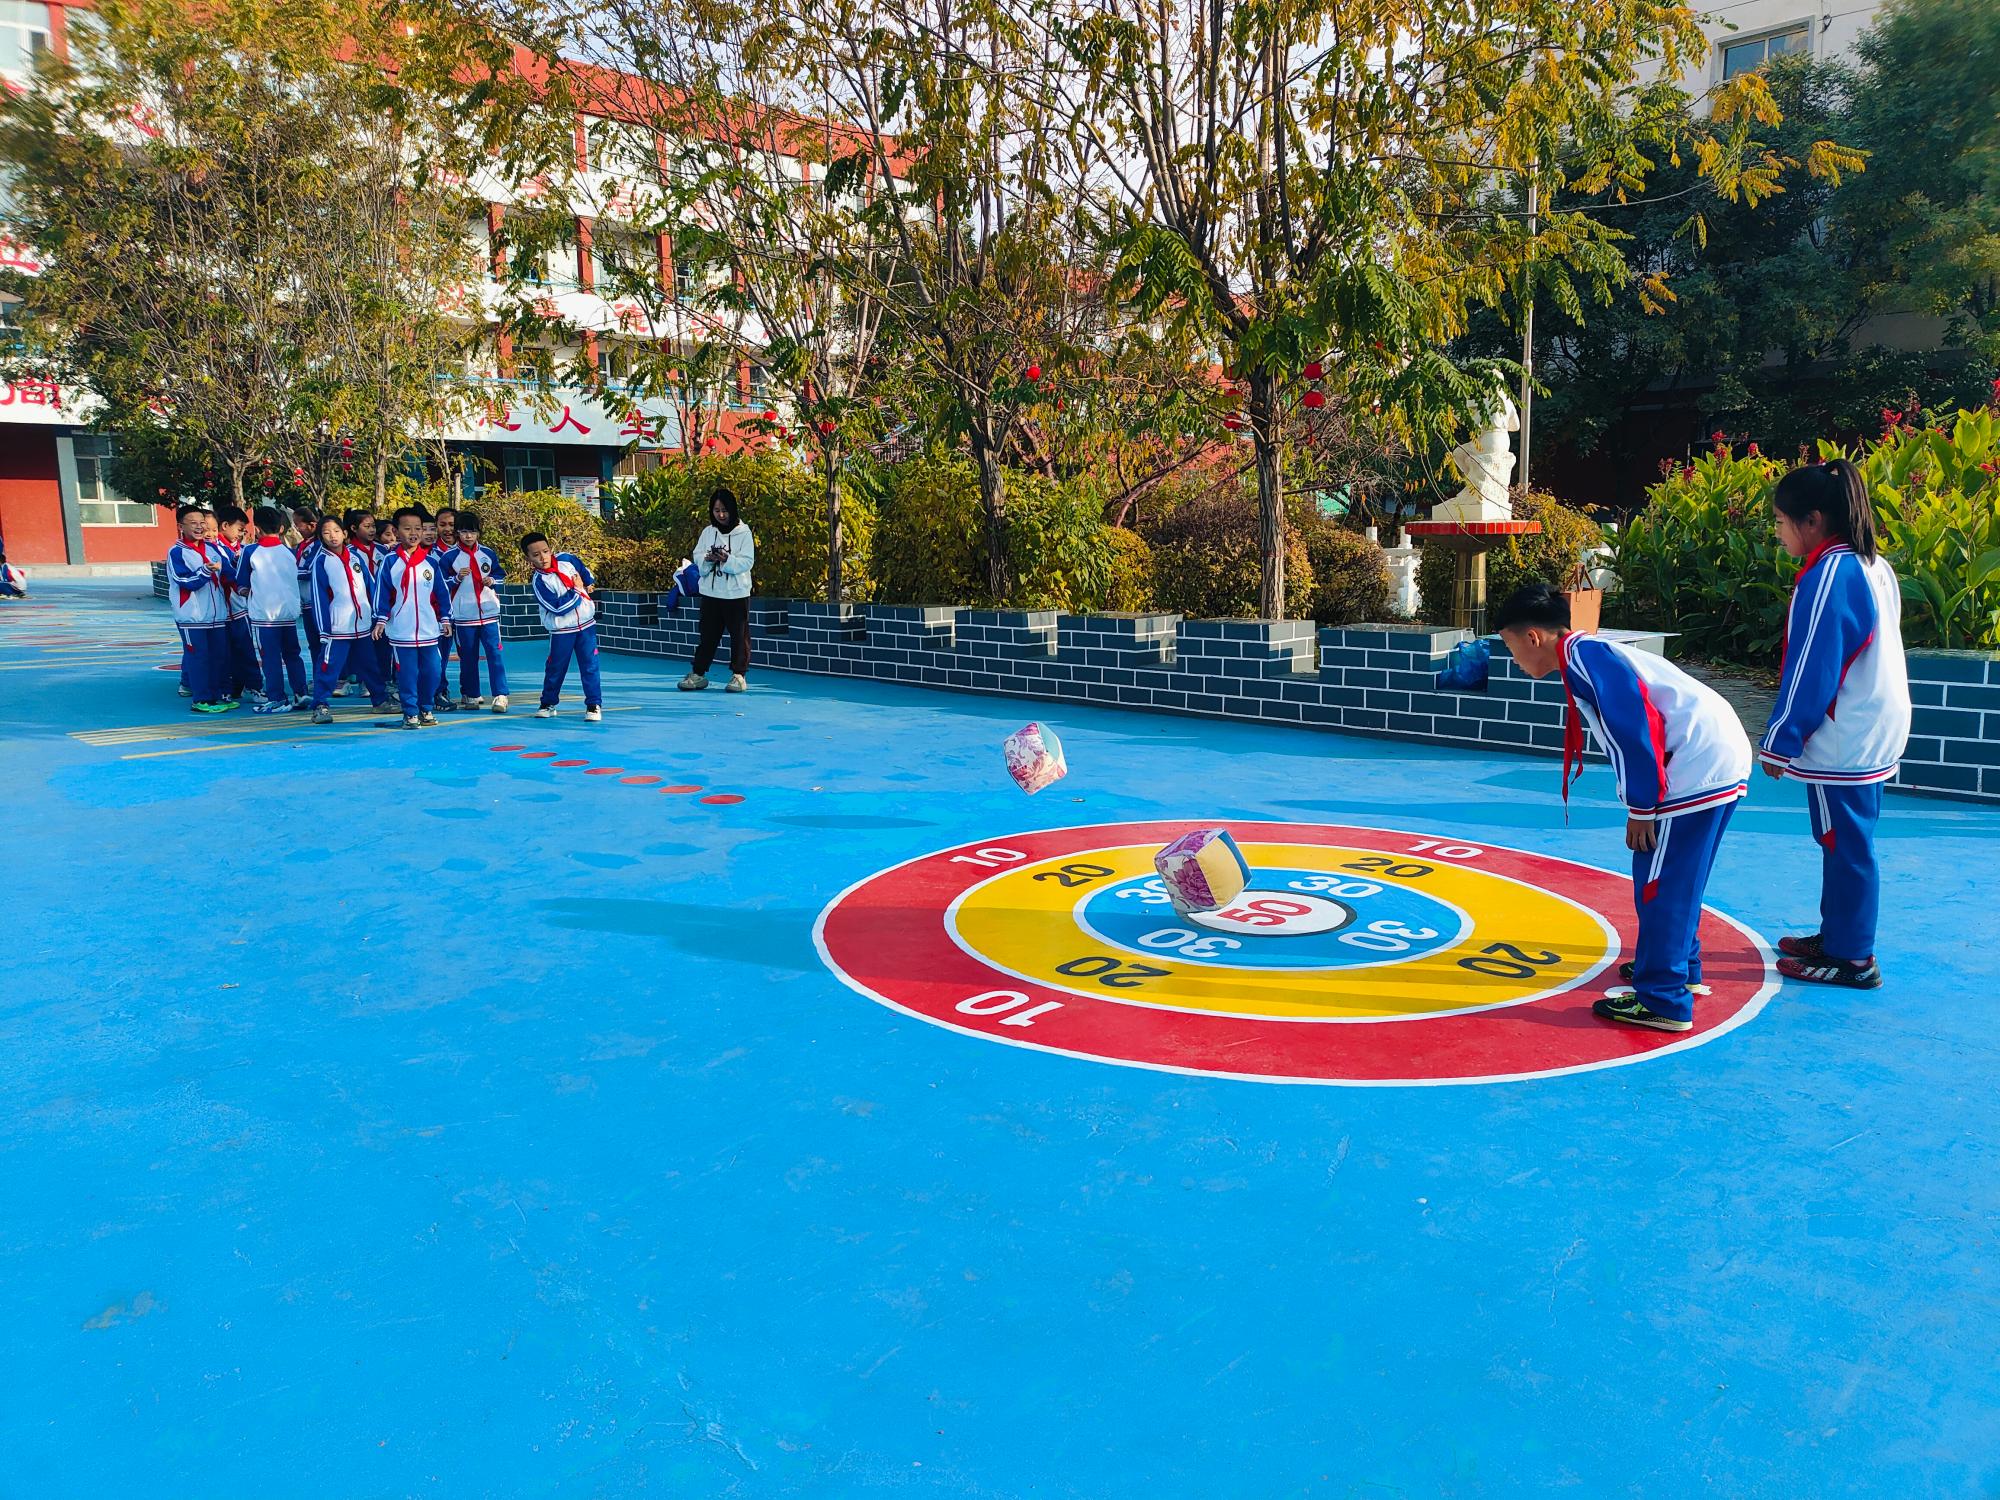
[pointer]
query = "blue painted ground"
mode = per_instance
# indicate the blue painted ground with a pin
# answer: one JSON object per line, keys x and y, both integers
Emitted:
{"x": 385, "y": 1117}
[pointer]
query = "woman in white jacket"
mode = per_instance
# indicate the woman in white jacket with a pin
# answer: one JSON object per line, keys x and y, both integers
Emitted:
{"x": 725, "y": 555}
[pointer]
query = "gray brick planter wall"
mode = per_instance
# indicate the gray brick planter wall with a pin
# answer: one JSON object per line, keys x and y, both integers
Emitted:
{"x": 1364, "y": 679}
{"x": 1954, "y": 725}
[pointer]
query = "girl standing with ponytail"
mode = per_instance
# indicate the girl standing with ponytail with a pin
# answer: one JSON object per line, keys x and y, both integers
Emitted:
{"x": 1842, "y": 718}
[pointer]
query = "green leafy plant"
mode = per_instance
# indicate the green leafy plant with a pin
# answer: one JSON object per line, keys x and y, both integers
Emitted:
{"x": 1350, "y": 576}
{"x": 1208, "y": 558}
{"x": 1702, "y": 559}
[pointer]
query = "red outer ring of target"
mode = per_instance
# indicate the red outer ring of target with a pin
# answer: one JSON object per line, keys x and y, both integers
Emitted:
{"x": 886, "y": 938}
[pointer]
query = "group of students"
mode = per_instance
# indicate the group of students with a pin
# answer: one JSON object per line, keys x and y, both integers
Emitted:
{"x": 375, "y": 612}
{"x": 1839, "y": 726}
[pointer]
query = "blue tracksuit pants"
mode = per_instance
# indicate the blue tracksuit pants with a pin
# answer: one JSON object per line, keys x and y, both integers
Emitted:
{"x": 243, "y": 669}
{"x": 582, "y": 644}
{"x": 1667, "y": 885}
{"x": 1850, "y": 899}
{"x": 418, "y": 670}
{"x": 340, "y": 654}
{"x": 472, "y": 639}
{"x": 279, "y": 647}
{"x": 208, "y": 662}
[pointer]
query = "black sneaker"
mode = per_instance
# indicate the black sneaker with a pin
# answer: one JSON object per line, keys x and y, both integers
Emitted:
{"x": 427, "y": 719}
{"x": 1866, "y": 975}
{"x": 1697, "y": 988}
{"x": 1802, "y": 947}
{"x": 1626, "y": 1008}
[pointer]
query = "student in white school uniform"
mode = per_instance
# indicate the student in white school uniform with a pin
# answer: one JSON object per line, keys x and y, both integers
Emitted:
{"x": 725, "y": 554}
{"x": 344, "y": 602}
{"x": 412, "y": 604}
{"x": 562, "y": 587}
{"x": 267, "y": 579}
{"x": 201, "y": 611}
{"x": 473, "y": 569}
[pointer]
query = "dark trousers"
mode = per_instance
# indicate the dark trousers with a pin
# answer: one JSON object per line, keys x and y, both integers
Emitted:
{"x": 208, "y": 661}
{"x": 472, "y": 639}
{"x": 1667, "y": 885}
{"x": 419, "y": 670}
{"x": 1843, "y": 825}
{"x": 581, "y": 644}
{"x": 337, "y": 655}
{"x": 718, "y": 615}
{"x": 311, "y": 622}
{"x": 279, "y": 645}
{"x": 244, "y": 672}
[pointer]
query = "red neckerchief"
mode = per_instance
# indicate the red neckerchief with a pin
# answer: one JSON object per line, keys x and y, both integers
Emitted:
{"x": 569, "y": 582}
{"x": 228, "y": 588}
{"x": 347, "y": 572}
{"x": 270, "y": 541}
{"x": 1572, "y": 724}
{"x": 411, "y": 562}
{"x": 478, "y": 582}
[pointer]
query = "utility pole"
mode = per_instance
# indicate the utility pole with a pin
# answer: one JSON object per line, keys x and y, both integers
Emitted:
{"x": 1528, "y": 329}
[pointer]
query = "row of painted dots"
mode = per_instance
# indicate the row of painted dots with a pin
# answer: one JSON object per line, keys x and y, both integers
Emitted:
{"x": 720, "y": 799}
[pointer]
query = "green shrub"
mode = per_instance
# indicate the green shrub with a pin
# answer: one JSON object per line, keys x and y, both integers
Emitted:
{"x": 780, "y": 500}
{"x": 506, "y": 518}
{"x": 1550, "y": 556}
{"x": 1702, "y": 558}
{"x": 1207, "y": 561}
{"x": 1129, "y": 585}
{"x": 930, "y": 539}
{"x": 1350, "y": 576}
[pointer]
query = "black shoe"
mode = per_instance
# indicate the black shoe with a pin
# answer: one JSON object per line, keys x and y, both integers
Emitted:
{"x": 1695, "y": 986}
{"x": 1627, "y": 1009}
{"x": 1866, "y": 975}
{"x": 1802, "y": 947}
{"x": 427, "y": 719}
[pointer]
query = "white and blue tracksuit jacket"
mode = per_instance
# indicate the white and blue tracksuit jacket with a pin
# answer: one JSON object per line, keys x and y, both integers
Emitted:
{"x": 1675, "y": 744}
{"x": 472, "y": 574}
{"x": 267, "y": 579}
{"x": 412, "y": 598}
{"x": 239, "y": 598}
{"x": 1843, "y": 709}
{"x": 562, "y": 591}
{"x": 343, "y": 593}
{"x": 308, "y": 555}
{"x": 196, "y": 593}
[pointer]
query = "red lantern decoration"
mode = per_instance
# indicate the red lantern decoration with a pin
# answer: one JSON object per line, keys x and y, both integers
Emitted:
{"x": 708, "y": 442}
{"x": 770, "y": 416}
{"x": 1315, "y": 370}
{"x": 1234, "y": 424}
{"x": 1314, "y": 400}
{"x": 1034, "y": 373}
{"x": 826, "y": 427}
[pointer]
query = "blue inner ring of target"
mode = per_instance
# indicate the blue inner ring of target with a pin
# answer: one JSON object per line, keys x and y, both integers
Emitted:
{"x": 1361, "y": 922}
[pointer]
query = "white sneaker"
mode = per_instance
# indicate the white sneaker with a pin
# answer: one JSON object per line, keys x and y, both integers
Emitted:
{"x": 184, "y": 691}
{"x": 736, "y": 683}
{"x": 341, "y": 690}
{"x": 1626, "y": 991}
{"x": 593, "y": 716}
{"x": 499, "y": 703}
{"x": 694, "y": 682}
{"x": 545, "y": 713}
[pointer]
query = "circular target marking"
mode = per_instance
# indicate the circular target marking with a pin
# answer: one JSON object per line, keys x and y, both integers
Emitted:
{"x": 1355, "y": 955}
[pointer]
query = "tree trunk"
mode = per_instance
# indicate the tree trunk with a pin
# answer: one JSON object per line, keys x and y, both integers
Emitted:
{"x": 381, "y": 479}
{"x": 236, "y": 468}
{"x": 993, "y": 500}
{"x": 836, "y": 543}
{"x": 1270, "y": 497}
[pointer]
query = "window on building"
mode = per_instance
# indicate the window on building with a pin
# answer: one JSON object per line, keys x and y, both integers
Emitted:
{"x": 614, "y": 361}
{"x": 24, "y": 33}
{"x": 683, "y": 281}
{"x": 1752, "y": 53}
{"x": 527, "y": 469}
{"x": 13, "y": 339}
{"x": 98, "y": 503}
{"x": 620, "y": 258}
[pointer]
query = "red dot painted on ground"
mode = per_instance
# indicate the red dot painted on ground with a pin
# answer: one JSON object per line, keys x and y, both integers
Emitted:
{"x": 639, "y": 780}
{"x": 675, "y": 790}
{"x": 603, "y": 770}
{"x": 498, "y": 749}
{"x": 569, "y": 762}
{"x": 723, "y": 799}
{"x": 536, "y": 754}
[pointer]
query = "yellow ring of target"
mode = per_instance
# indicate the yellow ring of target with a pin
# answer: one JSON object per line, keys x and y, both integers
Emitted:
{"x": 1027, "y": 928}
